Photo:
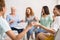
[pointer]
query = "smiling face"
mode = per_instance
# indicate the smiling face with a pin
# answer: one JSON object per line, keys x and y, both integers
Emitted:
{"x": 56, "y": 12}
{"x": 28, "y": 11}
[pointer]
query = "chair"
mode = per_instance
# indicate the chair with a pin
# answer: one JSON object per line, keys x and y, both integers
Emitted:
{"x": 58, "y": 35}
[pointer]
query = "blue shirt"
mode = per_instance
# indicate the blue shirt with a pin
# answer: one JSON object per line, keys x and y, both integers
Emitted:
{"x": 16, "y": 20}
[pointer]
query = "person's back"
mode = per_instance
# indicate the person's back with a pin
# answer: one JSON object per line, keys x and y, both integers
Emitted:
{"x": 4, "y": 26}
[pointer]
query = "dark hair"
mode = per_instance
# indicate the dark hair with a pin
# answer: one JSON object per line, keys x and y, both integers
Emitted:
{"x": 2, "y": 4}
{"x": 58, "y": 7}
{"x": 31, "y": 12}
{"x": 46, "y": 10}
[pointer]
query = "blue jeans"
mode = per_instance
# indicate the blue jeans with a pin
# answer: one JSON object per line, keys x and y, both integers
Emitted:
{"x": 30, "y": 32}
{"x": 38, "y": 30}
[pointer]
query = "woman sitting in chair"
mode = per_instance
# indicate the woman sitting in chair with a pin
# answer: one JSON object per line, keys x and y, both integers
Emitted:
{"x": 54, "y": 27}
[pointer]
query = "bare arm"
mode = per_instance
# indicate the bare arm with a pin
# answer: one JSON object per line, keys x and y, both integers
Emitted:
{"x": 55, "y": 26}
{"x": 11, "y": 21}
{"x": 49, "y": 30}
{"x": 36, "y": 18}
{"x": 19, "y": 36}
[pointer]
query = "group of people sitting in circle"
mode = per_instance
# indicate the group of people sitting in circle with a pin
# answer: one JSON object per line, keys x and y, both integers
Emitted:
{"x": 46, "y": 27}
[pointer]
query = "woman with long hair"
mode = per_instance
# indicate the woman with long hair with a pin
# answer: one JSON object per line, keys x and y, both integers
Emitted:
{"x": 30, "y": 17}
{"x": 45, "y": 19}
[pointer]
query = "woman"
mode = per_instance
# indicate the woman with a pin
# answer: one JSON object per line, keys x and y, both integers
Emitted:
{"x": 4, "y": 26}
{"x": 54, "y": 27}
{"x": 30, "y": 18}
{"x": 13, "y": 20}
{"x": 45, "y": 19}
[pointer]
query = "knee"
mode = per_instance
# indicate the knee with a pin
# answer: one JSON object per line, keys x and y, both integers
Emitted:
{"x": 39, "y": 35}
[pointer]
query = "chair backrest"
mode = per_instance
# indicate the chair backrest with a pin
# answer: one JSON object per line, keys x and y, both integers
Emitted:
{"x": 58, "y": 35}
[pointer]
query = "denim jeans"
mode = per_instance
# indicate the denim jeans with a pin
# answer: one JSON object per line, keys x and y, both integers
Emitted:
{"x": 38, "y": 30}
{"x": 30, "y": 32}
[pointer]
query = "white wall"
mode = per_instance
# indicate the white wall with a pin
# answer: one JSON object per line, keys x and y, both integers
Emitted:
{"x": 58, "y": 1}
{"x": 35, "y": 4}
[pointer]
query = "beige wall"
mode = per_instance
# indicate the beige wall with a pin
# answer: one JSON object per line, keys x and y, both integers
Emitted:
{"x": 58, "y": 1}
{"x": 35, "y": 4}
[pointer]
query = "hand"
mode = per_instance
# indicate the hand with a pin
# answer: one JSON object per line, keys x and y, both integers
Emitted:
{"x": 30, "y": 25}
{"x": 11, "y": 21}
{"x": 22, "y": 20}
{"x": 36, "y": 24}
{"x": 36, "y": 18}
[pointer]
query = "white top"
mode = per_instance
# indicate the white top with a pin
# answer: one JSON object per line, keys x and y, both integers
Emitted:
{"x": 21, "y": 25}
{"x": 56, "y": 24}
{"x": 4, "y": 27}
